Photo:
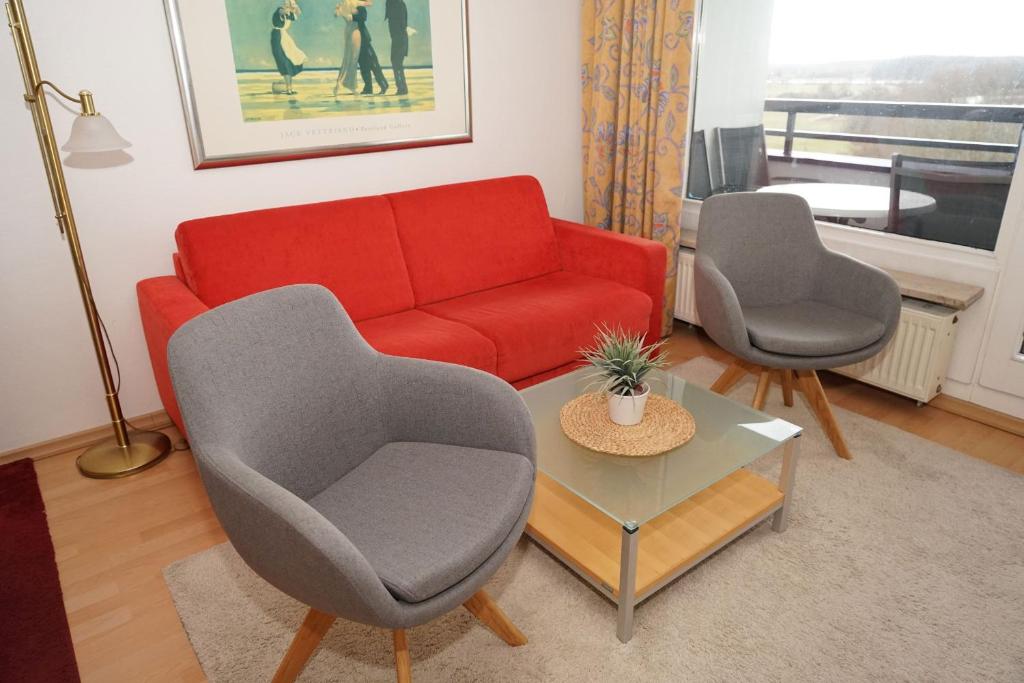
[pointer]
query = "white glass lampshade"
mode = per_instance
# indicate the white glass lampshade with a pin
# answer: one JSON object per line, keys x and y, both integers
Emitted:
{"x": 91, "y": 134}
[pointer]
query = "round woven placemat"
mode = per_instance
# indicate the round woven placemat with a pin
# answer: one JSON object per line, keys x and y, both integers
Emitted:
{"x": 666, "y": 425}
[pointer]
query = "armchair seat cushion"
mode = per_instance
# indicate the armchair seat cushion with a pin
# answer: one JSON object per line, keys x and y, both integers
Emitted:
{"x": 426, "y": 515}
{"x": 541, "y": 323}
{"x": 415, "y": 334}
{"x": 809, "y": 328}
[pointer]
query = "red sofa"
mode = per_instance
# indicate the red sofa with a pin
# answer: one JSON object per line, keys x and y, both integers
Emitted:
{"x": 476, "y": 273}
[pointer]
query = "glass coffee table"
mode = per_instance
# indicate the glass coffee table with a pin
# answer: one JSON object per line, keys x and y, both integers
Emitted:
{"x": 630, "y": 526}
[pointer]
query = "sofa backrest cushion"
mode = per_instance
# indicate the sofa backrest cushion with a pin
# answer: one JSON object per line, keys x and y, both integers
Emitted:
{"x": 350, "y": 247}
{"x": 469, "y": 237}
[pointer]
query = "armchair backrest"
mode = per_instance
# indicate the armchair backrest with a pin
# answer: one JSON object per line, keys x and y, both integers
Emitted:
{"x": 765, "y": 244}
{"x": 282, "y": 381}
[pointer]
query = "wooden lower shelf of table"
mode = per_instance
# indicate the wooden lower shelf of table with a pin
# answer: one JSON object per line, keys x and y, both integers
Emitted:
{"x": 679, "y": 537}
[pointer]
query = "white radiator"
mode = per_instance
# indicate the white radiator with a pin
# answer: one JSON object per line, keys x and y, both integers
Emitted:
{"x": 686, "y": 302}
{"x": 915, "y": 362}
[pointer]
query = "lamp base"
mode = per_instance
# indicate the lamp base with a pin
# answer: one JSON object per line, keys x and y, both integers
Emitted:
{"x": 107, "y": 460}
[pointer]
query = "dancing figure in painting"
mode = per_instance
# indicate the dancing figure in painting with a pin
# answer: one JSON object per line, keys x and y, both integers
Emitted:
{"x": 350, "y": 45}
{"x": 369, "y": 65}
{"x": 397, "y": 16}
{"x": 287, "y": 55}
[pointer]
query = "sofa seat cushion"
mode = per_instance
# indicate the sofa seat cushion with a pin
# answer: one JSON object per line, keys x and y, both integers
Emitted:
{"x": 426, "y": 515}
{"x": 350, "y": 247}
{"x": 415, "y": 334}
{"x": 469, "y": 237}
{"x": 542, "y": 323}
{"x": 809, "y": 328}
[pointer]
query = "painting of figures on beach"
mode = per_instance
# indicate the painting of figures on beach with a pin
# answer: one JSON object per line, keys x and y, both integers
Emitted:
{"x": 280, "y": 80}
{"x": 317, "y": 58}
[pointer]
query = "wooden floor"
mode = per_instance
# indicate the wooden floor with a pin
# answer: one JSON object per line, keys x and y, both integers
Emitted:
{"x": 113, "y": 537}
{"x": 956, "y": 432}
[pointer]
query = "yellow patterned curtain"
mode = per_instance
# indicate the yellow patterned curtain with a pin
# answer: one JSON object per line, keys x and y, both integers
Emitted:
{"x": 636, "y": 93}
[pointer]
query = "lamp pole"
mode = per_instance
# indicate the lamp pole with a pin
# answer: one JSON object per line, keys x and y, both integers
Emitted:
{"x": 121, "y": 456}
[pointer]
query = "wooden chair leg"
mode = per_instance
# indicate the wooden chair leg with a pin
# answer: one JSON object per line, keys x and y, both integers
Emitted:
{"x": 727, "y": 380}
{"x": 403, "y": 663}
{"x": 306, "y": 639}
{"x": 483, "y": 608}
{"x": 764, "y": 381}
{"x": 787, "y": 387}
{"x": 811, "y": 386}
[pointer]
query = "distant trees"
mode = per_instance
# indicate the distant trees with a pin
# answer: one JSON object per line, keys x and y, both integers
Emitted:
{"x": 965, "y": 80}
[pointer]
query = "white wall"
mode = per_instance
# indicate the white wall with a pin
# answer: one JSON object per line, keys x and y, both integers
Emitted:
{"x": 526, "y": 116}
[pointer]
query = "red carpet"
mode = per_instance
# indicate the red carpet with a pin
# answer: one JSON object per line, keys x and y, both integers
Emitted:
{"x": 35, "y": 644}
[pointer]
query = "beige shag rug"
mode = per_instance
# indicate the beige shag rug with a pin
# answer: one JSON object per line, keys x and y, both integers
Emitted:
{"x": 905, "y": 564}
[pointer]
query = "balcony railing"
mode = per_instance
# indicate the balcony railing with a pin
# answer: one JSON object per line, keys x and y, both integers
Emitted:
{"x": 906, "y": 110}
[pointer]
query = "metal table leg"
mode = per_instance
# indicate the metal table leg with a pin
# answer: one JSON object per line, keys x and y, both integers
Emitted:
{"x": 627, "y": 582}
{"x": 789, "y": 455}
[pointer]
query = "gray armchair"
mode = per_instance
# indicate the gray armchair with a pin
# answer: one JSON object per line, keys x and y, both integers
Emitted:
{"x": 378, "y": 489}
{"x": 770, "y": 293}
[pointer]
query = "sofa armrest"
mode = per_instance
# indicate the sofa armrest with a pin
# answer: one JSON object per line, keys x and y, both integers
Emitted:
{"x": 631, "y": 261}
{"x": 165, "y": 304}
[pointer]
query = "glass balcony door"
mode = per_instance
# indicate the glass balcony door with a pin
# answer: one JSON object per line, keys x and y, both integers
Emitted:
{"x": 918, "y": 101}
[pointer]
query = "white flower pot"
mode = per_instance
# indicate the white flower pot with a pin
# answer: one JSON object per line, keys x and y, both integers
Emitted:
{"x": 628, "y": 410}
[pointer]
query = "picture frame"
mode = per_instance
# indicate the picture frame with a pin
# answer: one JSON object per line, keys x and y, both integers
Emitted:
{"x": 278, "y": 80}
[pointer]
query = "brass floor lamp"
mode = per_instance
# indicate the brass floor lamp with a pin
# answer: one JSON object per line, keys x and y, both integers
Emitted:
{"x": 91, "y": 134}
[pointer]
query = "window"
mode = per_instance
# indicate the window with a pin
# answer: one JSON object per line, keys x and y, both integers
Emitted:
{"x": 904, "y": 117}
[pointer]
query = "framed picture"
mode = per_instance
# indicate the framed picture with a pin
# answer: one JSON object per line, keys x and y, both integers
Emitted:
{"x": 275, "y": 80}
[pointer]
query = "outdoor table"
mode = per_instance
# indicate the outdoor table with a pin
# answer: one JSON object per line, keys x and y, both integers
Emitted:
{"x": 854, "y": 202}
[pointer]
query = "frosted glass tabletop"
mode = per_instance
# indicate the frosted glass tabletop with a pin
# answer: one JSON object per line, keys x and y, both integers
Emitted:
{"x": 633, "y": 491}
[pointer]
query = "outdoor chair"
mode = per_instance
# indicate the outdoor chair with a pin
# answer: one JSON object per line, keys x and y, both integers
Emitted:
{"x": 969, "y": 199}
{"x": 743, "y": 158}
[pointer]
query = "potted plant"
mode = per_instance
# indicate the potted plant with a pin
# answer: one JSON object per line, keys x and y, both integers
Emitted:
{"x": 622, "y": 362}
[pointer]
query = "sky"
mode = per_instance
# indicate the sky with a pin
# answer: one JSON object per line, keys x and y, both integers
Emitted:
{"x": 318, "y": 33}
{"x": 820, "y": 31}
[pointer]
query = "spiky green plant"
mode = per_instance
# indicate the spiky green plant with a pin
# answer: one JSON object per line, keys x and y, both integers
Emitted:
{"x": 621, "y": 360}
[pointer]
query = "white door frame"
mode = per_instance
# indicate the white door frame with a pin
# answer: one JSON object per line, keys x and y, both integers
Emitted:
{"x": 1002, "y": 366}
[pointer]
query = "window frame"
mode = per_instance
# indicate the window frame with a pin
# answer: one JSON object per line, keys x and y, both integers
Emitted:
{"x": 870, "y": 240}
